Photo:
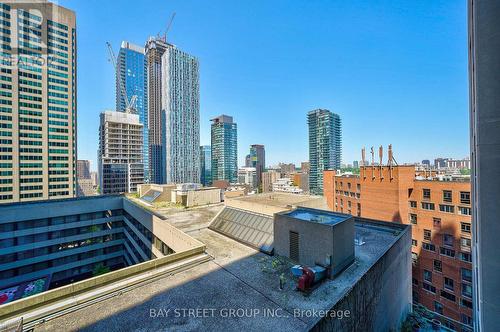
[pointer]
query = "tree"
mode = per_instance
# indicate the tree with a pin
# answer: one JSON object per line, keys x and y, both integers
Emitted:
{"x": 100, "y": 269}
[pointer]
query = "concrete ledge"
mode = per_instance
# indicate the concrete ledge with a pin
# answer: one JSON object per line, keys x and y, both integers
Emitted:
{"x": 20, "y": 307}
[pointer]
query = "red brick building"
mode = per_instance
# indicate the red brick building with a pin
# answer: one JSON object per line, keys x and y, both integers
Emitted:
{"x": 439, "y": 211}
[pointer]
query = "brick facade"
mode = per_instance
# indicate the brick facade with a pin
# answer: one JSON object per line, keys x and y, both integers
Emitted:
{"x": 440, "y": 215}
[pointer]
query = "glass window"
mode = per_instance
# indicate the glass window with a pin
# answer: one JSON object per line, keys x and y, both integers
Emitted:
{"x": 428, "y": 276}
{"x": 448, "y": 240}
{"x": 448, "y": 283}
{"x": 447, "y": 196}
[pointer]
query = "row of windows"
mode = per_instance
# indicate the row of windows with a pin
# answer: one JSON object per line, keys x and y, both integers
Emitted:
{"x": 448, "y": 196}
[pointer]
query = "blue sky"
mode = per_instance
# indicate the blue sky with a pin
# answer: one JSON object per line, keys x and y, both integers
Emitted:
{"x": 395, "y": 71}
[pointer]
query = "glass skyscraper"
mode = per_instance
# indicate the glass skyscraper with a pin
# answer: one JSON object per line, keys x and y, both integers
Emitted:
{"x": 325, "y": 146}
{"x": 180, "y": 116}
{"x": 258, "y": 160}
{"x": 131, "y": 70}
{"x": 206, "y": 165}
{"x": 224, "y": 149}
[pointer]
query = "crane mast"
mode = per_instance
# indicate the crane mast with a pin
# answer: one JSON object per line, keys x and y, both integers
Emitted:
{"x": 129, "y": 104}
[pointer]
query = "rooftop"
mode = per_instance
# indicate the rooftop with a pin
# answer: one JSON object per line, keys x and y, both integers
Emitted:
{"x": 318, "y": 216}
{"x": 237, "y": 286}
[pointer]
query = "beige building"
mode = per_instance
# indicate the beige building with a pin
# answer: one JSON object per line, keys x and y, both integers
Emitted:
{"x": 268, "y": 178}
{"x": 37, "y": 102}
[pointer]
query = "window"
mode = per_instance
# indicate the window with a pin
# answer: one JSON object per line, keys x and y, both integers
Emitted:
{"x": 447, "y": 252}
{"x": 428, "y": 246}
{"x": 414, "y": 258}
{"x": 358, "y": 187}
{"x": 465, "y": 257}
{"x": 467, "y": 290}
{"x": 447, "y": 196}
{"x": 465, "y": 197}
{"x": 438, "y": 307}
{"x": 448, "y": 283}
{"x": 349, "y": 186}
{"x": 413, "y": 204}
{"x": 465, "y": 244}
{"x": 429, "y": 288}
{"x": 465, "y": 227}
{"x": 413, "y": 218}
{"x": 436, "y": 222}
{"x": 428, "y": 276}
{"x": 448, "y": 240}
{"x": 413, "y": 242}
{"x": 426, "y": 193}
{"x": 414, "y": 281}
{"x": 438, "y": 266}
{"x": 427, "y": 234}
{"x": 446, "y": 208}
{"x": 427, "y": 206}
{"x": 465, "y": 211}
{"x": 466, "y": 303}
{"x": 467, "y": 320}
{"x": 448, "y": 296}
{"x": 466, "y": 274}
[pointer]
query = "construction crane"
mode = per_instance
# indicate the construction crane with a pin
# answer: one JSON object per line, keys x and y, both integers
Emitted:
{"x": 130, "y": 105}
{"x": 169, "y": 25}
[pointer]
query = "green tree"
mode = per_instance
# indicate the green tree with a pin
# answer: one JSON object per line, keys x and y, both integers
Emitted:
{"x": 100, "y": 269}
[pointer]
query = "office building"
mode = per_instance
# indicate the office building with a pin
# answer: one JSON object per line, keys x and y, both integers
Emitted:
{"x": 37, "y": 102}
{"x": 248, "y": 175}
{"x": 258, "y": 161}
{"x": 439, "y": 211}
{"x": 248, "y": 162}
{"x": 268, "y": 178}
{"x": 155, "y": 48}
{"x": 355, "y": 164}
{"x": 120, "y": 152}
{"x": 224, "y": 149}
{"x": 325, "y": 146}
{"x": 83, "y": 169}
{"x": 131, "y": 73}
{"x": 206, "y": 165}
{"x": 180, "y": 118}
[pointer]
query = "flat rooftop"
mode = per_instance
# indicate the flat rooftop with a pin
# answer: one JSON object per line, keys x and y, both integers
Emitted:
{"x": 278, "y": 199}
{"x": 318, "y": 216}
{"x": 237, "y": 290}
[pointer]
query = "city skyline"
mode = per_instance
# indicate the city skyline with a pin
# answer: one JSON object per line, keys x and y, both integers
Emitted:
{"x": 391, "y": 105}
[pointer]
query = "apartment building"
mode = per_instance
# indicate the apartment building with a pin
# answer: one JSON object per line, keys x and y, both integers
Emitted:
{"x": 325, "y": 146}
{"x": 439, "y": 210}
{"x": 224, "y": 139}
{"x": 155, "y": 48}
{"x": 268, "y": 178}
{"x": 120, "y": 153}
{"x": 37, "y": 101}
